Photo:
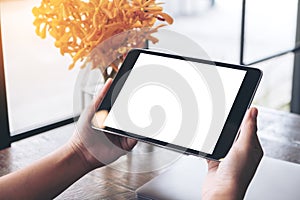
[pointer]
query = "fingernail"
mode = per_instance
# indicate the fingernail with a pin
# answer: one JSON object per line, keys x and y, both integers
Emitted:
{"x": 254, "y": 113}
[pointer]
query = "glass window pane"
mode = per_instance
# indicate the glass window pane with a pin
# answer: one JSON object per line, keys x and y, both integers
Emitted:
{"x": 39, "y": 84}
{"x": 216, "y": 28}
{"x": 270, "y": 28}
{"x": 276, "y": 85}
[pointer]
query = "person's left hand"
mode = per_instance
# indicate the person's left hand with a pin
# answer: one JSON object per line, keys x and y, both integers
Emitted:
{"x": 95, "y": 147}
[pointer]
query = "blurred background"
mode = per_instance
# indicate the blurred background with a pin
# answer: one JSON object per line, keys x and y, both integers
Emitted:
{"x": 40, "y": 87}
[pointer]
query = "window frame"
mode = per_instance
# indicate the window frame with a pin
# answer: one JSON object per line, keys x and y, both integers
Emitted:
{"x": 295, "y": 96}
{"x": 4, "y": 124}
{"x": 5, "y": 135}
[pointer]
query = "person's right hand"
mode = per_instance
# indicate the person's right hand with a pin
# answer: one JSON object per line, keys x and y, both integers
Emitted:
{"x": 96, "y": 147}
{"x": 230, "y": 178}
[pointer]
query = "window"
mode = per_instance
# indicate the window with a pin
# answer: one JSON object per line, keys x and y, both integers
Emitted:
{"x": 40, "y": 87}
{"x": 216, "y": 28}
{"x": 38, "y": 83}
{"x": 270, "y": 28}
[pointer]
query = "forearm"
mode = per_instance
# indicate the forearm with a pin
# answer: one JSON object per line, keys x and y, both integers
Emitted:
{"x": 223, "y": 189}
{"x": 46, "y": 178}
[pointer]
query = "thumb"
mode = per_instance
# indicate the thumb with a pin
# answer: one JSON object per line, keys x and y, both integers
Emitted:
{"x": 92, "y": 108}
{"x": 249, "y": 128}
{"x": 102, "y": 93}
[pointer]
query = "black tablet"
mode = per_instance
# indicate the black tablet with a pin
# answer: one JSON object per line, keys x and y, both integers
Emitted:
{"x": 184, "y": 104}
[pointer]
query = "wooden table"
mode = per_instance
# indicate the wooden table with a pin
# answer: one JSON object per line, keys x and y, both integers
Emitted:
{"x": 279, "y": 133}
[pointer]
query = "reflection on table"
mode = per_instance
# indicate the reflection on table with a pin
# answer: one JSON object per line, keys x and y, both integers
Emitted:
{"x": 279, "y": 133}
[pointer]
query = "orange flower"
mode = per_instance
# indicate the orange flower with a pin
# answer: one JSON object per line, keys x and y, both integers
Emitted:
{"x": 78, "y": 26}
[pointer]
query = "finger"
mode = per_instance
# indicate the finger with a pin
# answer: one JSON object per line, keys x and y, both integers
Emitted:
{"x": 130, "y": 143}
{"x": 103, "y": 92}
{"x": 99, "y": 118}
{"x": 90, "y": 111}
{"x": 249, "y": 127}
{"x": 212, "y": 165}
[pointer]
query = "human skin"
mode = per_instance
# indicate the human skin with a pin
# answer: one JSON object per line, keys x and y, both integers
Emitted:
{"x": 230, "y": 178}
{"x": 89, "y": 149}
{"x": 48, "y": 177}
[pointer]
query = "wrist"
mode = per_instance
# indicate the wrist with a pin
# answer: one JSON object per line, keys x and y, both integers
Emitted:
{"x": 228, "y": 193}
{"x": 88, "y": 161}
{"x": 223, "y": 196}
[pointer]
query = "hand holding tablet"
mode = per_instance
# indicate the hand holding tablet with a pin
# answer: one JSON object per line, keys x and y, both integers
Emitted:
{"x": 184, "y": 104}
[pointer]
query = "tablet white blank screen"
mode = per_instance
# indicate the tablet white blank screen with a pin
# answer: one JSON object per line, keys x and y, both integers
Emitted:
{"x": 150, "y": 94}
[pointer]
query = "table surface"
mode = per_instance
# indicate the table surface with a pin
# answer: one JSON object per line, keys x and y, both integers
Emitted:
{"x": 279, "y": 133}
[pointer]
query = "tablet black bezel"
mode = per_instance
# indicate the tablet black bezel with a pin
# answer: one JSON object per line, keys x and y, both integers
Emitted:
{"x": 232, "y": 123}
